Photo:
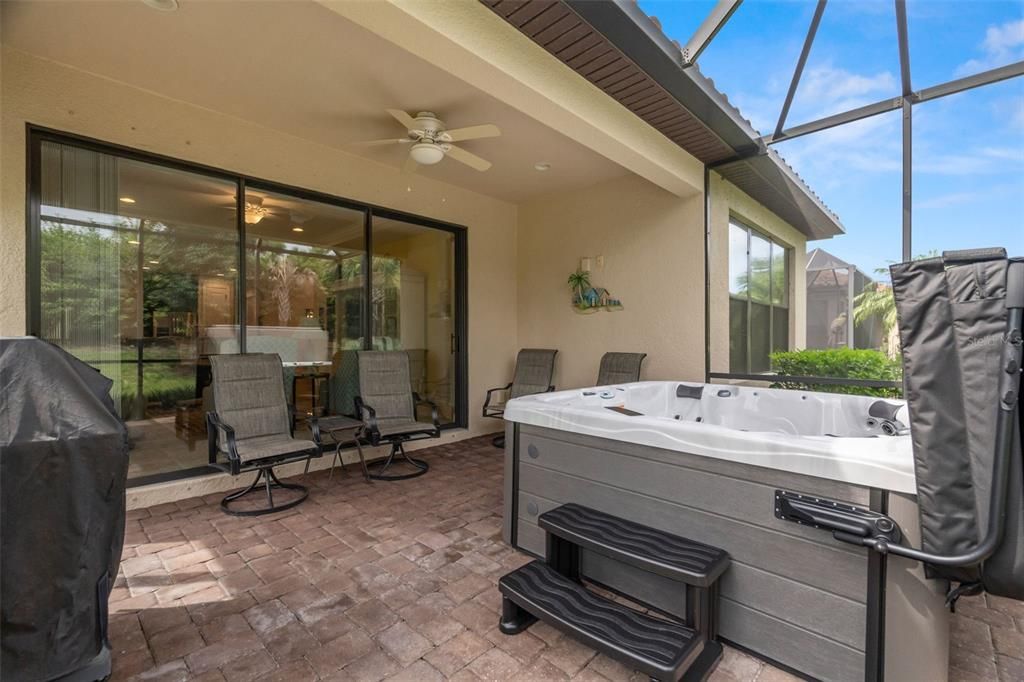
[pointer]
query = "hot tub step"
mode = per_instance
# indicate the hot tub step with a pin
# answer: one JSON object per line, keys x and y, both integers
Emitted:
{"x": 659, "y": 648}
{"x": 690, "y": 562}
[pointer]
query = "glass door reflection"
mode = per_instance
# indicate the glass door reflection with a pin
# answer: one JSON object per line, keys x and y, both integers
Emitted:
{"x": 304, "y": 295}
{"x": 412, "y": 302}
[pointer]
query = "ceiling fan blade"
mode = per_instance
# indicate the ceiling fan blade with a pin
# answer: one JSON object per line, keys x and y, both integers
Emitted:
{"x": 380, "y": 143}
{"x": 473, "y": 132}
{"x": 410, "y": 165}
{"x": 405, "y": 119}
{"x": 468, "y": 158}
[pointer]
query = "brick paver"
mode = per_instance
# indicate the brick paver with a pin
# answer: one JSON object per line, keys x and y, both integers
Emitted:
{"x": 395, "y": 580}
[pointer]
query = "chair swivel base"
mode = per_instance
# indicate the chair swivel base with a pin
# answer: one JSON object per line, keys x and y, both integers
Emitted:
{"x": 270, "y": 482}
{"x": 377, "y": 470}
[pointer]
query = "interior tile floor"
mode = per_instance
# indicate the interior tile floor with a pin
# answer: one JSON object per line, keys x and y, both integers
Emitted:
{"x": 394, "y": 580}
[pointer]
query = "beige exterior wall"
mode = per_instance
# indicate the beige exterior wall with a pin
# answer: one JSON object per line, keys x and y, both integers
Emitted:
{"x": 728, "y": 200}
{"x": 47, "y": 94}
{"x": 653, "y": 248}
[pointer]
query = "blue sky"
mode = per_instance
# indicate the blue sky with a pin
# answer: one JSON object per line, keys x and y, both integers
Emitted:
{"x": 968, "y": 148}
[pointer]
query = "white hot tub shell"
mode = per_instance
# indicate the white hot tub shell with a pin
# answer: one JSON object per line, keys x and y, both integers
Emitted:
{"x": 704, "y": 462}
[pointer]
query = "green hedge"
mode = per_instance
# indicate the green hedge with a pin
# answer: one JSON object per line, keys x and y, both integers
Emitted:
{"x": 839, "y": 363}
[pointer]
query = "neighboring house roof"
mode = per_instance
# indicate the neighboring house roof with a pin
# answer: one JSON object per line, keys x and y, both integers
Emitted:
{"x": 622, "y": 51}
{"x": 826, "y": 270}
{"x": 820, "y": 259}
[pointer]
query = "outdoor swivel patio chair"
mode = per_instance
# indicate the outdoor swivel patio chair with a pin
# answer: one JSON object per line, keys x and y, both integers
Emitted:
{"x": 251, "y": 426}
{"x": 387, "y": 406}
{"x": 619, "y": 368}
{"x": 535, "y": 368}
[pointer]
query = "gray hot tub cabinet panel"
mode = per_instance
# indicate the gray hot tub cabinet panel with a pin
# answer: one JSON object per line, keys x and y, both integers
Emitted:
{"x": 792, "y": 594}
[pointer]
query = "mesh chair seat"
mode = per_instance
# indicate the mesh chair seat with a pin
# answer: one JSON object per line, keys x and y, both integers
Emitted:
{"x": 399, "y": 426}
{"x": 619, "y": 368}
{"x": 534, "y": 369}
{"x": 387, "y": 405}
{"x": 265, "y": 447}
{"x": 251, "y": 425}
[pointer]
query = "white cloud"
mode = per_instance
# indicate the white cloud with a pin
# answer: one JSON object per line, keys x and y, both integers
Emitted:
{"x": 977, "y": 196}
{"x": 1002, "y": 39}
{"x": 1002, "y": 44}
{"x": 829, "y": 84}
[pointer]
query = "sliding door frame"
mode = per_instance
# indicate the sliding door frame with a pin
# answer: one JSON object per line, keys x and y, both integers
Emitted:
{"x": 36, "y": 135}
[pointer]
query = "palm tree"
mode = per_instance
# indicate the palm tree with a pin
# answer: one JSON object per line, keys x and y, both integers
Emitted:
{"x": 878, "y": 301}
{"x": 579, "y": 282}
{"x": 286, "y": 275}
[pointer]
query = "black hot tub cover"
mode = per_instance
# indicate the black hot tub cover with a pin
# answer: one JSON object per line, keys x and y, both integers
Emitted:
{"x": 953, "y": 323}
{"x": 63, "y": 466}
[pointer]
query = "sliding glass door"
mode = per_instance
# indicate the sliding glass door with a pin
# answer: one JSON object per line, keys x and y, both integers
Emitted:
{"x": 137, "y": 267}
{"x": 304, "y": 295}
{"x": 413, "y": 285}
{"x": 143, "y": 267}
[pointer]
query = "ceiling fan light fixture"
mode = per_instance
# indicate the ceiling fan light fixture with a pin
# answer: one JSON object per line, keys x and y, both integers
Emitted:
{"x": 426, "y": 153}
{"x": 254, "y": 213}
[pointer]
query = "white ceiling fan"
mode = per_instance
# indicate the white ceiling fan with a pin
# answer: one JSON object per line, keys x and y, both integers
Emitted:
{"x": 431, "y": 140}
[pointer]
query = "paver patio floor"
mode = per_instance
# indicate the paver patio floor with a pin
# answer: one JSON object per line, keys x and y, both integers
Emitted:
{"x": 395, "y": 580}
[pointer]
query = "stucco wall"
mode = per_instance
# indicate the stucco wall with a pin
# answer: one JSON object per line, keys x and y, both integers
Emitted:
{"x": 726, "y": 200}
{"x": 55, "y": 96}
{"x": 653, "y": 247}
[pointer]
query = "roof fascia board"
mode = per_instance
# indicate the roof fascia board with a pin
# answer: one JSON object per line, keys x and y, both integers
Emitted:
{"x": 626, "y": 26}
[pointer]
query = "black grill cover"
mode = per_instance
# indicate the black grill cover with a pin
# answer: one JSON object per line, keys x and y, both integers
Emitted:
{"x": 63, "y": 465}
{"x": 952, "y": 322}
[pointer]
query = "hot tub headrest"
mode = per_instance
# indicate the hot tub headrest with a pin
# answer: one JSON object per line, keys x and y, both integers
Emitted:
{"x": 881, "y": 409}
{"x": 684, "y": 391}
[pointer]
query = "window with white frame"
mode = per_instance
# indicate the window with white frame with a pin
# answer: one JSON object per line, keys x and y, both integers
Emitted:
{"x": 758, "y": 299}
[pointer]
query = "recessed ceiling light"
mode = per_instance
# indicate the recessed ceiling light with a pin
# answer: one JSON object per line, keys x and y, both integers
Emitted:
{"x": 133, "y": 241}
{"x": 542, "y": 166}
{"x": 220, "y": 274}
{"x": 126, "y": 200}
{"x": 154, "y": 262}
{"x": 297, "y": 229}
{"x": 162, "y": 5}
{"x": 145, "y": 267}
{"x": 233, "y": 269}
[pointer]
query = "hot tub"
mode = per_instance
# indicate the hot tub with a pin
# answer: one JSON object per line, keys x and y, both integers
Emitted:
{"x": 705, "y": 462}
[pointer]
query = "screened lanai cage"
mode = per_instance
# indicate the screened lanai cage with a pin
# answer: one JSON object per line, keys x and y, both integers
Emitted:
{"x": 833, "y": 288}
{"x": 904, "y": 115}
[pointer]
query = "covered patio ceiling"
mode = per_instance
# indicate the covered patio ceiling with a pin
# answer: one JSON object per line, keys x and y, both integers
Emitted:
{"x": 300, "y": 68}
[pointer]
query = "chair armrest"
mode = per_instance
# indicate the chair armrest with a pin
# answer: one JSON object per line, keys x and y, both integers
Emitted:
{"x": 368, "y": 416}
{"x": 490, "y": 391}
{"x": 433, "y": 409}
{"x": 314, "y": 428}
{"x": 213, "y": 425}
